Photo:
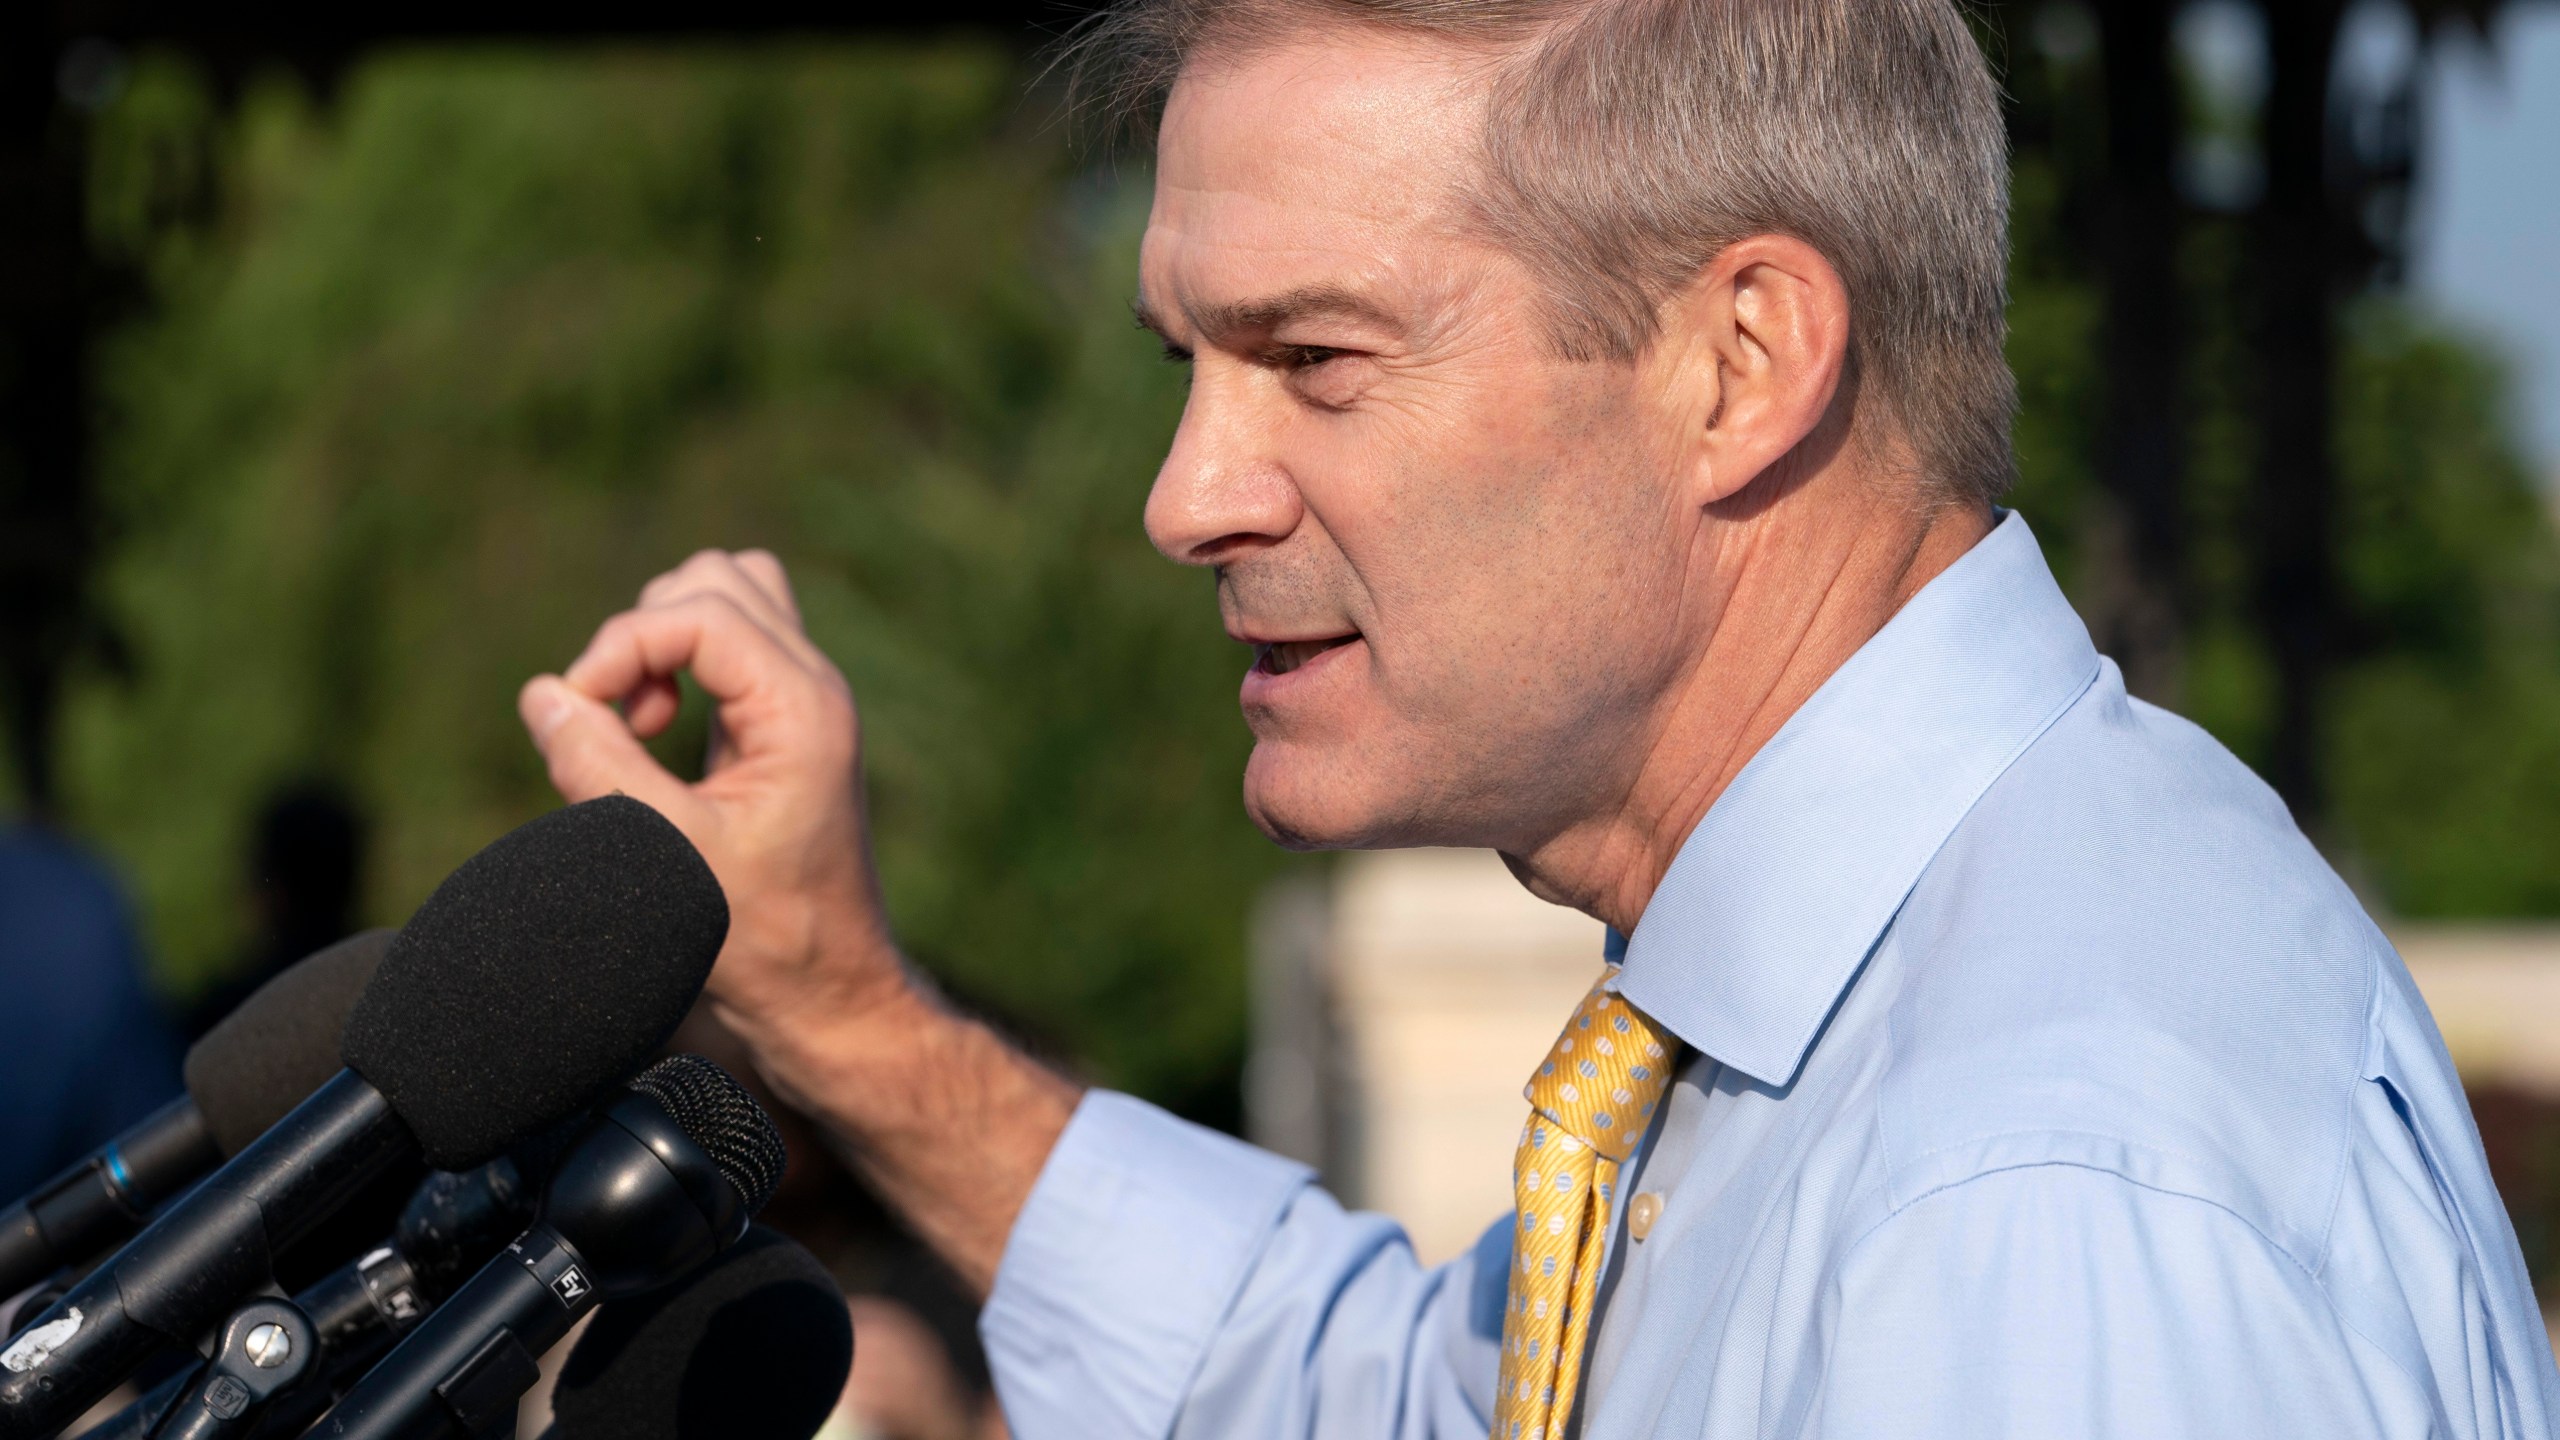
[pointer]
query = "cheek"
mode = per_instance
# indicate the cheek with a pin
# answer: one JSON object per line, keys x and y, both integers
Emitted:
{"x": 1509, "y": 557}
{"x": 1519, "y": 594}
{"x": 1421, "y": 490}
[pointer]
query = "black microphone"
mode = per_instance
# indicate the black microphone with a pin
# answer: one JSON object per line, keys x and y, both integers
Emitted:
{"x": 754, "y": 1346}
{"x": 450, "y": 1227}
{"x": 667, "y": 1178}
{"x": 242, "y": 1077}
{"x": 548, "y": 967}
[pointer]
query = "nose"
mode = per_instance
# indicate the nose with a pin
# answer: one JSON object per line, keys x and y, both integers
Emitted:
{"x": 1223, "y": 491}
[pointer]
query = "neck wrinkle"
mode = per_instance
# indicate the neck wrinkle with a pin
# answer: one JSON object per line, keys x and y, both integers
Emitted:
{"x": 1832, "y": 599}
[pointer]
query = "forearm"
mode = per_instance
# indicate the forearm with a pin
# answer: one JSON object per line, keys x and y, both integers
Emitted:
{"x": 948, "y": 1123}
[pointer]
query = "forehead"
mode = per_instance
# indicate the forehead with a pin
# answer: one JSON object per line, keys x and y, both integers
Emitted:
{"x": 1332, "y": 160}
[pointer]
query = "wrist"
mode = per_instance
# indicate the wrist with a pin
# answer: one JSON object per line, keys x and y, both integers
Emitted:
{"x": 949, "y": 1124}
{"x": 906, "y": 1069}
{"x": 818, "y": 1021}
{"x": 867, "y": 1046}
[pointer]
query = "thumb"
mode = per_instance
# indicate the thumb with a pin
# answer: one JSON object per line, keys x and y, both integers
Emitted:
{"x": 589, "y": 749}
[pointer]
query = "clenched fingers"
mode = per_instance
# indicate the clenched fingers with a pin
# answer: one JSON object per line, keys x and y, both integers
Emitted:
{"x": 753, "y": 580}
{"x": 771, "y": 688}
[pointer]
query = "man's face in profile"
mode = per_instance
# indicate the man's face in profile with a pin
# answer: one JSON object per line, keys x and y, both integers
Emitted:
{"x": 1460, "y": 557}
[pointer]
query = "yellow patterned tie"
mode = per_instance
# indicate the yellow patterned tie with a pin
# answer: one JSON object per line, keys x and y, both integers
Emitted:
{"x": 1588, "y": 1106}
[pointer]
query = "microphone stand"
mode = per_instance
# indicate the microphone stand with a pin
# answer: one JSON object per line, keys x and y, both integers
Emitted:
{"x": 354, "y": 1314}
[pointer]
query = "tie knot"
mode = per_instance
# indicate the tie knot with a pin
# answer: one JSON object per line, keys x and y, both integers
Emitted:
{"x": 1600, "y": 1083}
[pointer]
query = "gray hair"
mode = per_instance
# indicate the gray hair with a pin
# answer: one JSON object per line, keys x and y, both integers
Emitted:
{"x": 1627, "y": 142}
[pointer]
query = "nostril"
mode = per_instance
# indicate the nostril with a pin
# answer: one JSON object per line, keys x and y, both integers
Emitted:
{"x": 1208, "y": 507}
{"x": 1228, "y": 549}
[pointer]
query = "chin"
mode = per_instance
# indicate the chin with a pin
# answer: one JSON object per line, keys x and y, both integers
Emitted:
{"x": 1306, "y": 798}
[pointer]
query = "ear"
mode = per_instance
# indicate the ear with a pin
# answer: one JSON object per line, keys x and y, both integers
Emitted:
{"x": 1753, "y": 352}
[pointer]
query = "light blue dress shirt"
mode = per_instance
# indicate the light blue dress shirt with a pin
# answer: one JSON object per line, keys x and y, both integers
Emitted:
{"x": 2046, "y": 1084}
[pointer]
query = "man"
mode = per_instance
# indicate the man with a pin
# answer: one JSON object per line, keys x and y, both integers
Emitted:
{"x": 1596, "y": 409}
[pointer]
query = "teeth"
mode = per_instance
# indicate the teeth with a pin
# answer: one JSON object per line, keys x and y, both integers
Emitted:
{"x": 1288, "y": 655}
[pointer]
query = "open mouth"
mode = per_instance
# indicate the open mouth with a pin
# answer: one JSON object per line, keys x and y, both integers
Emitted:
{"x": 1284, "y": 656}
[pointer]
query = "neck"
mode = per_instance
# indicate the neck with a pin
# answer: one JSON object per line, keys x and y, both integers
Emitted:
{"x": 1792, "y": 588}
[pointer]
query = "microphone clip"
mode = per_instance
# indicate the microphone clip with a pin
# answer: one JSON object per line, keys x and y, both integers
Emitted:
{"x": 266, "y": 1347}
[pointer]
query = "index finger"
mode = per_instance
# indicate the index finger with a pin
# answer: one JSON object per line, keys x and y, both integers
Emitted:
{"x": 751, "y": 578}
{"x": 732, "y": 656}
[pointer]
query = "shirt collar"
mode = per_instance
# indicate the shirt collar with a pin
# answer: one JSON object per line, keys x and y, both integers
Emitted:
{"x": 1775, "y": 899}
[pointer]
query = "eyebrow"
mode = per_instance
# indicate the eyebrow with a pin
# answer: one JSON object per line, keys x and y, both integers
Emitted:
{"x": 1307, "y": 302}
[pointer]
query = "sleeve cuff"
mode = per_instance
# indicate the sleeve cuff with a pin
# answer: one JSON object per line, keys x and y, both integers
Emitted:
{"x": 1132, "y": 1248}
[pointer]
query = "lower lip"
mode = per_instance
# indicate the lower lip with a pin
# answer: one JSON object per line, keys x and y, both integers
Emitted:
{"x": 1261, "y": 687}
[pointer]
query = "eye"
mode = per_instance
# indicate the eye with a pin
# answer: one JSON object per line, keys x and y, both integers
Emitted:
{"x": 1303, "y": 357}
{"x": 1325, "y": 377}
{"x": 1173, "y": 354}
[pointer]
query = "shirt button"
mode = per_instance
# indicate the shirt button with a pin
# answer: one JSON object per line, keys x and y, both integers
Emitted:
{"x": 1642, "y": 1212}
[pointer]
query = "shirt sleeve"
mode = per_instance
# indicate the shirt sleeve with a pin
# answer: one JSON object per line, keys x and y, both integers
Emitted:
{"x": 2057, "y": 1300}
{"x": 1167, "y": 1281}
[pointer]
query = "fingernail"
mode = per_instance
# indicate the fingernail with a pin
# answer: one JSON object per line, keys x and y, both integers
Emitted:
{"x": 548, "y": 711}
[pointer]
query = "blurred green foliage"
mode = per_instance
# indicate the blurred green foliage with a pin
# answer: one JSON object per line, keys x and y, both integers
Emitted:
{"x": 2443, "y": 748}
{"x": 460, "y": 361}
{"x": 2446, "y": 759}
{"x": 441, "y": 371}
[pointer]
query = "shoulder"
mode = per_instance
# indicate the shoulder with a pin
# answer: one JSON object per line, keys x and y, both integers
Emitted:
{"x": 2128, "y": 958}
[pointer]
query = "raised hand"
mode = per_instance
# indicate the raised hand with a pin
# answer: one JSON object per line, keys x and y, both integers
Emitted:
{"x": 951, "y": 1123}
{"x": 778, "y": 812}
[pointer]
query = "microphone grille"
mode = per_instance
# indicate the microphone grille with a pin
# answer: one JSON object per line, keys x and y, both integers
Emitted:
{"x": 709, "y": 1105}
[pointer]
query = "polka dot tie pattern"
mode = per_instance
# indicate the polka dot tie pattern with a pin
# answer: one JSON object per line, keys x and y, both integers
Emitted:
{"x": 1588, "y": 1106}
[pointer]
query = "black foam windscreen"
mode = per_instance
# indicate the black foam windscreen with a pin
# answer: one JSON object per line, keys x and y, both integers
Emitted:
{"x": 282, "y": 1042}
{"x": 755, "y": 1345}
{"x": 718, "y": 1114}
{"x": 548, "y": 968}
